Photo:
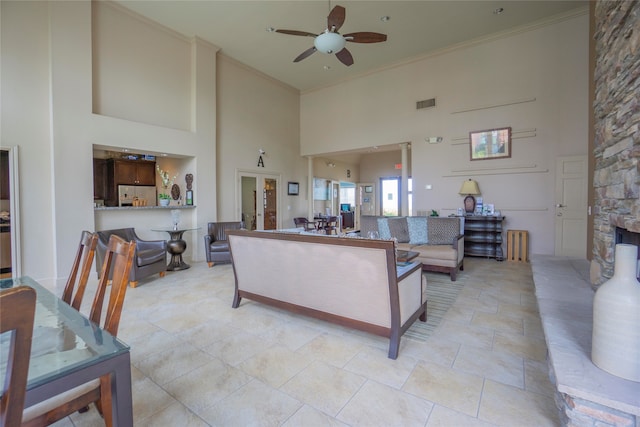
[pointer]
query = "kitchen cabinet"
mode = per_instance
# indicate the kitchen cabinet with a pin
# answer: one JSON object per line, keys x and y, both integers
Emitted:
{"x": 126, "y": 172}
{"x": 347, "y": 219}
{"x": 99, "y": 179}
{"x": 483, "y": 236}
{"x": 132, "y": 172}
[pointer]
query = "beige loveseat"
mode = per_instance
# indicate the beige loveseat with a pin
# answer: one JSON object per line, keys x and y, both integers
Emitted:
{"x": 350, "y": 281}
{"x": 438, "y": 240}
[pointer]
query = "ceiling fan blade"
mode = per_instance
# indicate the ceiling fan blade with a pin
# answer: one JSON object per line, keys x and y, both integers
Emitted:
{"x": 296, "y": 33}
{"x": 365, "y": 37}
{"x": 345, "y": 57}
{"x": 336, "y": 18}
{"x": 304, "y": 54}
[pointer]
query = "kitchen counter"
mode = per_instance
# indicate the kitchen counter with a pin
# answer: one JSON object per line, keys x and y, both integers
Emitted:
{"x": 141, "y": 208}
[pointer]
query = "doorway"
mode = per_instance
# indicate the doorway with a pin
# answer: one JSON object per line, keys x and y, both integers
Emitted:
{"x": 571, "y": 206}
{"x": 391, "y": 196}
{"x": 258, "y": 200}
{"x": 9, "y": 214}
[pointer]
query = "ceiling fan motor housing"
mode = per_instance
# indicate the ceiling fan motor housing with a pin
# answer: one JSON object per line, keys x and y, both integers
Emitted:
{"x": 329, "y": 42}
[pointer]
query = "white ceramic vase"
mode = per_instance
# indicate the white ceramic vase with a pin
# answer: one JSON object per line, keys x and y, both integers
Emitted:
{"x": 615, "y": 345}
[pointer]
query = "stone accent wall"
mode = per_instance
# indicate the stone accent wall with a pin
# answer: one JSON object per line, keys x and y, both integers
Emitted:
{"x": 617, "y": 129}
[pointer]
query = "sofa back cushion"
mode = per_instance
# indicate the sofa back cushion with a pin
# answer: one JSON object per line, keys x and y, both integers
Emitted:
{"x": 443, "y": 231}
{"x": 368, "y": 223}
{"x": 417, "y": 227}
{"x": 398, "y": 229}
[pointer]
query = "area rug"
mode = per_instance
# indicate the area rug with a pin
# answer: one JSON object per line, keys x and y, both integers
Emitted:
{"x": 441, "y": 294}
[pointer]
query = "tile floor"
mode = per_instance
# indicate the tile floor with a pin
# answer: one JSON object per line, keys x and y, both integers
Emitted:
{"x": 198, "y": 362}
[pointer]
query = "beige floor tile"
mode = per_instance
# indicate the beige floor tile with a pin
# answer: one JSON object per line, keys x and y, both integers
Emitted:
{"x": 148, "y": 399}
{"x": 336, "y": 350}
{"x": 527, "y": 347}
{"x": 465, "y": 334}
{"x": 445, "y": 417}
{"x": 275, "y": 365}
{"x": 536, "y": 377}
{"x": 324, "y": 387}
{"x": 436, "y": 350}
{"x": 377, "y": 405}
{"x": 308, "y": 416}
{"x": 445, "y": 386}
{"x": 292, "y": 334}
{"x": 501, "y": 367}
{"x": 376, "y": 365}
{"x": 154, "y": 343}
{"x": 173, "y": 415}
{"x": 254, "y": 404}
{"x": 170, "y": 364}
{"x": 238, "y": 347}
{"x": 509, "y": 406}
{"x": 205, "y": 386}
{"x": 203, "y": 335}
{"x": 498, "y": 322}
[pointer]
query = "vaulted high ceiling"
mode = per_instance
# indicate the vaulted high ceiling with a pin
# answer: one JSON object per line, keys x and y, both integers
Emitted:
{"x": 414, "y": 29}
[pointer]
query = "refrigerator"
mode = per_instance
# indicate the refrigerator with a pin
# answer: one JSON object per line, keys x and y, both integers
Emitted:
{"x": 142, "y": 195}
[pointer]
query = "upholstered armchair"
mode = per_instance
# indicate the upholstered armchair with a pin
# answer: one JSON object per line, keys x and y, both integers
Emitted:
{"x": 150, "y": 255}
{"x": 216, "y": 246}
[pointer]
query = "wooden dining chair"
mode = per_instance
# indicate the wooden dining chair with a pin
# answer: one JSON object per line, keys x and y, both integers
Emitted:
{"x": 120, "y": 255}
{"x": 81, "y": 263}
{"x": 17, "y": 314}
{"x": 331, "y": 225}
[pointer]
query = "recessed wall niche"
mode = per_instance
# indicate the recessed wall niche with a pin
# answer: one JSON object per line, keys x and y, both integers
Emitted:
{"x": 141, "y": 70}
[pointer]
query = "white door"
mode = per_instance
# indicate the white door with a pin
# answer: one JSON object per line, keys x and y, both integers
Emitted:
{"x": 365, "y": 201}
{"x": 571, "y": 206}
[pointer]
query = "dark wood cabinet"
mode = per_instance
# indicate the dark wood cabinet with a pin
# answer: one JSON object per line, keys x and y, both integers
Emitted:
{"x": 347, "y": 219}
{"x": 133, "y": 172}
{"x": 483, "y": 236}
{"x": 99, "y": 179}
{"x": 126, "y": 172}
{"x": 4, "y": 175}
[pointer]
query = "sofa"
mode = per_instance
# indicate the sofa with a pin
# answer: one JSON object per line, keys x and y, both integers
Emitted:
{"x": 439, "y": 241}
{"x": 150, "y": 256}
{"x": 216, "y": 246}
{"x": 353, "y": 282}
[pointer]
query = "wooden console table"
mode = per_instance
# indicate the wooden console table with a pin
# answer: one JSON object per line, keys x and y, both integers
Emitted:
{"x": 483, "y": 236}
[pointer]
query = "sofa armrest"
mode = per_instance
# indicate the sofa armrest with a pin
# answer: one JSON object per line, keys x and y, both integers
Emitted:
{"x": 458, "y": 244}
{"x": 207, "y": 240}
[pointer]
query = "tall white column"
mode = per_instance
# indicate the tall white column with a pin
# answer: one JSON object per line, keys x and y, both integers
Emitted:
{"x": 404, "y": 187}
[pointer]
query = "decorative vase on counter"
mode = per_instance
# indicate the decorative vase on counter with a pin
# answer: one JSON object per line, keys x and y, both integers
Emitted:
{"x": 164, "y": 202}
{"x": 615, "y": 345}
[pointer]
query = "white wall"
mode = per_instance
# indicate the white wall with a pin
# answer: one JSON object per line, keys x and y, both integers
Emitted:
{"x": 547, "y": 67}
{"x": 47, "y": 88}
{"x": 254, "y": 112}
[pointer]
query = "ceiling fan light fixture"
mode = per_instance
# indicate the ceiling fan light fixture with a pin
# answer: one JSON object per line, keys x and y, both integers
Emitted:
{"x": 329, "y": 42}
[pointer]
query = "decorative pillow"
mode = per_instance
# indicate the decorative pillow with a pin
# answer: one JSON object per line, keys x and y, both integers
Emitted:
{"x": 417, "y": 226}
{"x": 398, "y": 229}
{"x": 383, "y": 228}
{"x": 442, "y": 231}
{"x": 368, "y": 223}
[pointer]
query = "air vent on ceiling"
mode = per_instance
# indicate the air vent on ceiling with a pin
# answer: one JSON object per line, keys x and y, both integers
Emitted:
{"x": 427, "y": 103}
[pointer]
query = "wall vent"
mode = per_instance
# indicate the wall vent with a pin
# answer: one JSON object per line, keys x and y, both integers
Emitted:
{"x": 427, "y": 103}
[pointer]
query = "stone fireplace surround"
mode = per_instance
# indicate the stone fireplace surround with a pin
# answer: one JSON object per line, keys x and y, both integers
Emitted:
{"x": 586, "y": 395}
{"x": 616, "y": 177}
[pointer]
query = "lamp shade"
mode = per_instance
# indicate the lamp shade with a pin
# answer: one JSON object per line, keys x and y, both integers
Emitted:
{"x": 469, "y": 187}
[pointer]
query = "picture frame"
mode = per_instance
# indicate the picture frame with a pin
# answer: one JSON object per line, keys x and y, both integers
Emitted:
{"x": 368, "y": 189}
{"x": 293, "y": 189}
{"x": 490, "y": 144}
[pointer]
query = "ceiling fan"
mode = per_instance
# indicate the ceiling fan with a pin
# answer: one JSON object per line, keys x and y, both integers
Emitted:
{"x": 331, "y": 41}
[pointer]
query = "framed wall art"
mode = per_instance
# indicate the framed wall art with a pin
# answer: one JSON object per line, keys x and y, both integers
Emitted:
{"x": 490, "y": 143}
{"x": 293, "y": 189}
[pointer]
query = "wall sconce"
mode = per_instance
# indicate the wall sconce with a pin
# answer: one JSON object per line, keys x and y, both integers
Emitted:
{"x": 261, "y": 151}
{"x": 433, "y": 139}
{"x": 469, "y": 188}
{"x": 331, "y": 164}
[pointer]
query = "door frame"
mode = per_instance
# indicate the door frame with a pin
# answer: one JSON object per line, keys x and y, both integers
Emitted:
{"x": 260, "y": 178}
{"x": 14, "y": 210}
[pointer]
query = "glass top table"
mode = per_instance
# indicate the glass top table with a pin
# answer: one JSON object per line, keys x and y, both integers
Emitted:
{"x": 68, "y": 350}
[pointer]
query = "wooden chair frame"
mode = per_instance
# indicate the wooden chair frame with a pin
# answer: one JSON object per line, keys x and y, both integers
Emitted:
{"x": 83, "y": 261}
{"x": 120, "y": 254}
{"x": 17, "y": 315}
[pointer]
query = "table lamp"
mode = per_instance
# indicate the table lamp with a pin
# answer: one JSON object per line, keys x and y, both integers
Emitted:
{"x": 469, "y": 188}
